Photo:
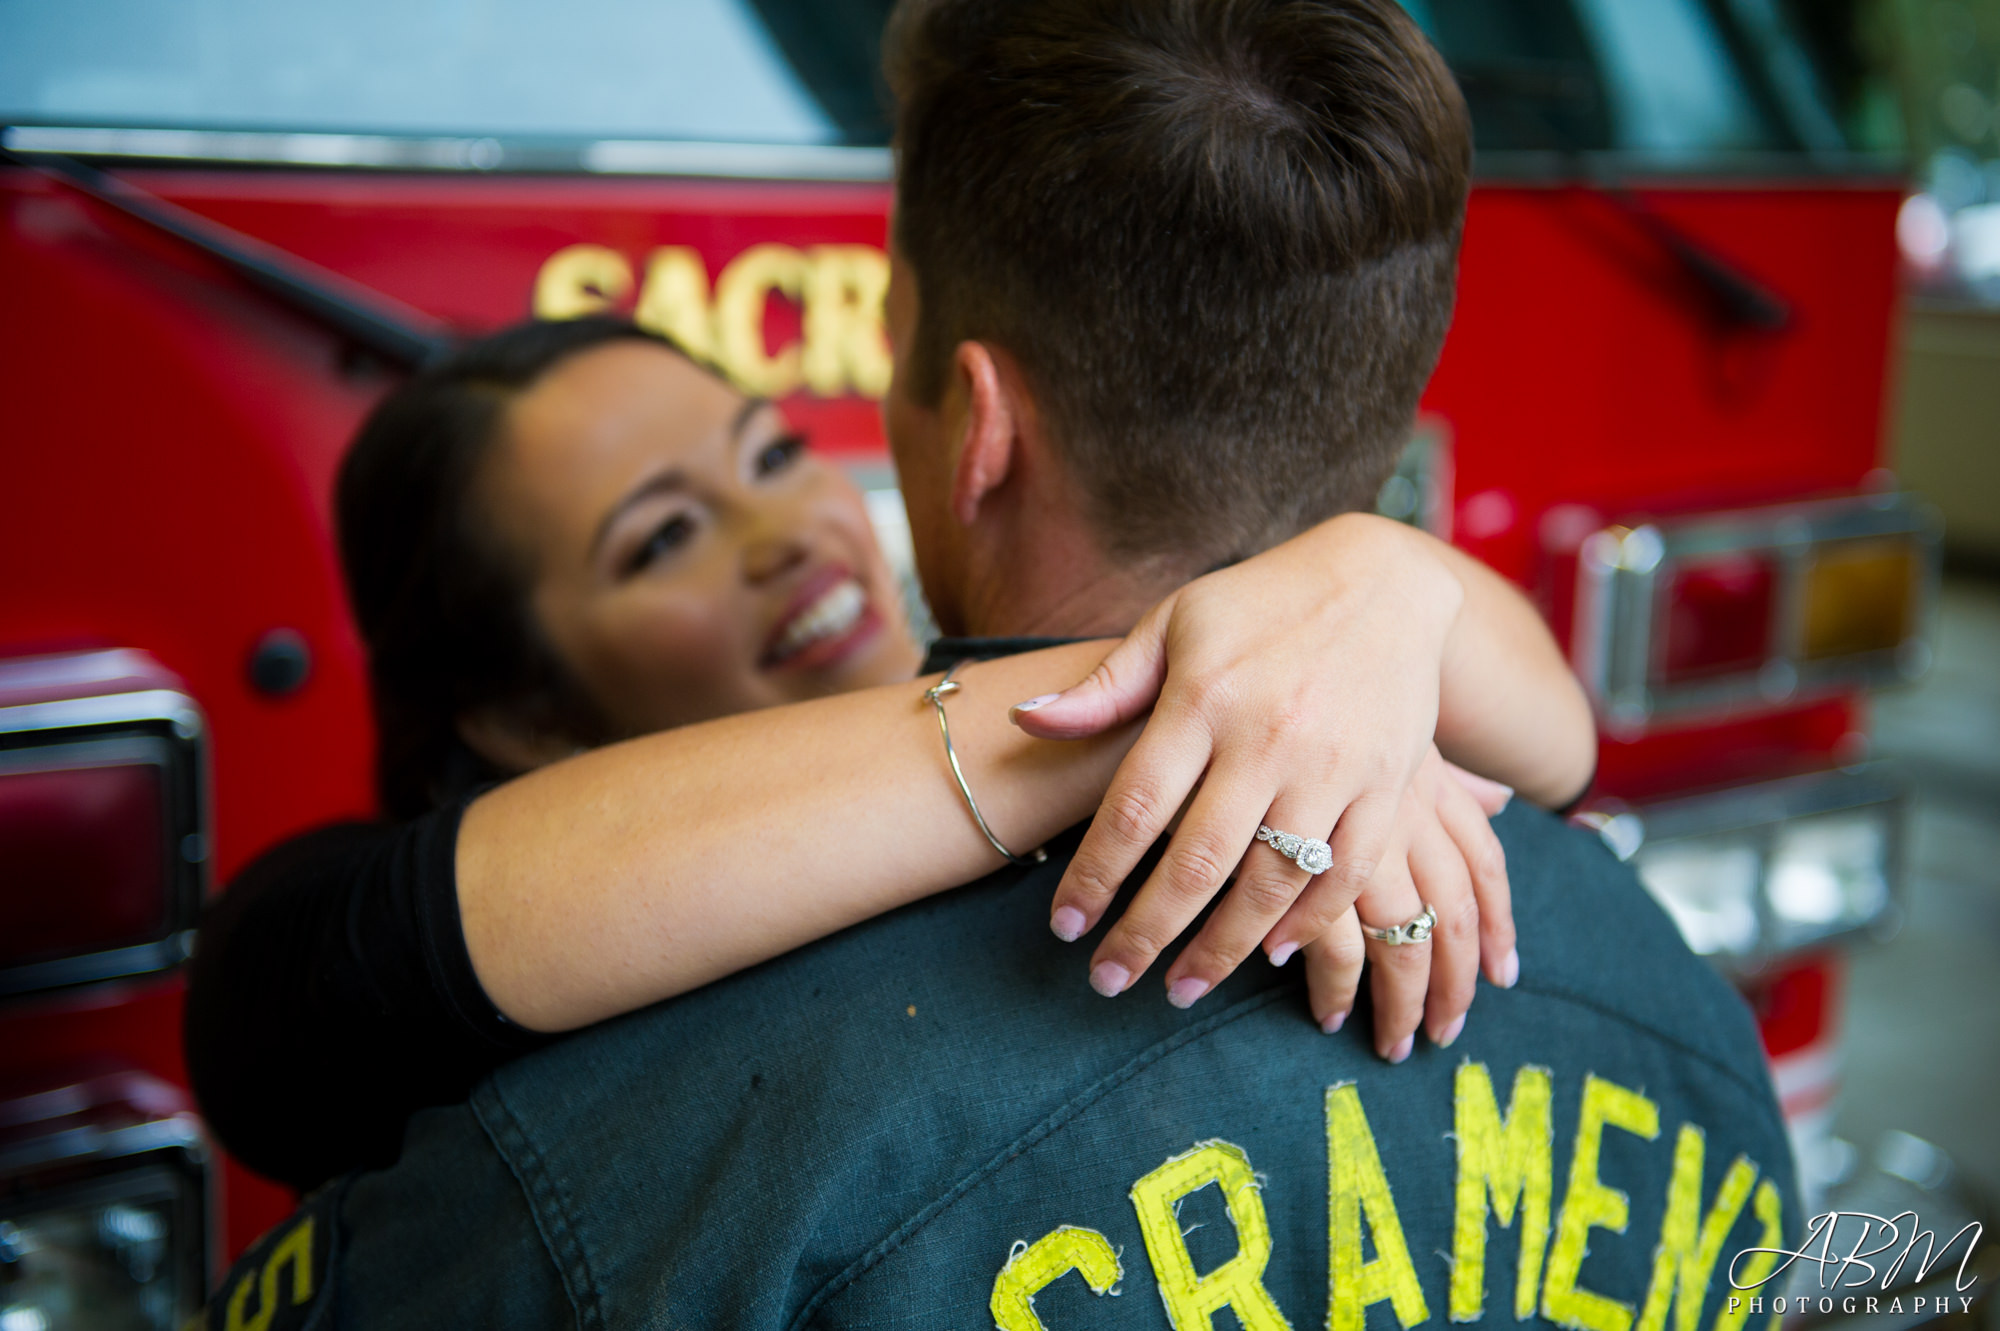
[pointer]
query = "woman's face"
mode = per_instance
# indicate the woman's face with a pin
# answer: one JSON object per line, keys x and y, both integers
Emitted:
{"x": 689, "y": 557}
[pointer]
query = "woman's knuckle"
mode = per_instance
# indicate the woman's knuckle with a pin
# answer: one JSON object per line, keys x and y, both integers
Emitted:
{"x": 1346, "y": 951}
{"x": 1354, "y": 873}
{"x": 1140, "y": 940}
{"x": 1198, "y": 866}
{"x": 1459, "y": 919}
{"x": 1266, "y": 895}
{"x": 1212, "y": 694}
{"x": 1132, "y": 814}
{"x": 1089, "y": 883}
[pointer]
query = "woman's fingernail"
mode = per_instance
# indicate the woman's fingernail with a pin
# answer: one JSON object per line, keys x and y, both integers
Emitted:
{"x": 1451, "y": 1032}
{"x": 1480, "y": 787}
{"x": 1510, "y": 969}
{"x": 1402, "y": 1049}
{"x": 1334, "y": 1023}
{"x": 1067, "y": 923}
{"x": 1183, "y": 992}
{"x": 1109, "y": 978}
{"x": 1282, "y": 953}
{"x": 1015, "y": 711}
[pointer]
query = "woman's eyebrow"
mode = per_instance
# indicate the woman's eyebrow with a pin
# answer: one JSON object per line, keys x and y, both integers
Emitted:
{"x": 741, "y": 420}
{"x": 665, "y": 482}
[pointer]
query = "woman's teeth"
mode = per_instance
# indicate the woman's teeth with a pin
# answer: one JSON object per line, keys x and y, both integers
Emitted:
{"x": 830, "y": 616}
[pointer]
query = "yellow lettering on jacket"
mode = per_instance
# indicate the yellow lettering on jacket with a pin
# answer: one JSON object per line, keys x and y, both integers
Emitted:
{"x": 1055, "y": 1254}
{"x": 1690, "y": 1243}
{"x": 1238, "y": 1284}
{"x": 1356, "y": 1187}
{"x": 1513, "y": 1159}
{"x": 1588, "y": 1204}
{"x": 296, "y": 1248}
{"x": 1770, "y": 1213}
{"x": 580, "y": 280}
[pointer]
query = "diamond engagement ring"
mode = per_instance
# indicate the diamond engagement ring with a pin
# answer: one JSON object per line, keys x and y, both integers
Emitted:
{"x": 1315, "y": 857}
{"x": 1416, "y": 931}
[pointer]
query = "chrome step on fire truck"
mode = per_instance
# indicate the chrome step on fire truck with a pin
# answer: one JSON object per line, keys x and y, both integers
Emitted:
{"x": 1659, "y": 409}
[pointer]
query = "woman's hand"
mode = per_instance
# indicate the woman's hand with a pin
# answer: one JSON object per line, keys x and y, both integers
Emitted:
{"x": 1300, "y": 690}
{"x": 1443, "y": 855}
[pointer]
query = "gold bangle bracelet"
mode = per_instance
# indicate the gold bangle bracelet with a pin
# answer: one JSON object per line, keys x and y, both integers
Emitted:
{"x": 935, "y": 696}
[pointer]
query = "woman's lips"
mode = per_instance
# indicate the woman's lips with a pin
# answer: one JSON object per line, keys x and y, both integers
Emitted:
{"x": 830, "y": 621}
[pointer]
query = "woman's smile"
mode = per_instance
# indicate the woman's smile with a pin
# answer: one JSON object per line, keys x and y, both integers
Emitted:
{"x": 827, "y": 620}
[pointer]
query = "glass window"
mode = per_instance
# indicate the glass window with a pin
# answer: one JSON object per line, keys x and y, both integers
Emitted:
{"x": 1674, "y": 80}
{"x": 1672, "y": 86}
{"x": 718, "y": 70}
{"x": 1666, "y": 78}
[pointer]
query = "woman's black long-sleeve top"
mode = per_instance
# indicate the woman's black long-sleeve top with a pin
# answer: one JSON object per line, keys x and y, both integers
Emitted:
{"x": 331, "y": 996}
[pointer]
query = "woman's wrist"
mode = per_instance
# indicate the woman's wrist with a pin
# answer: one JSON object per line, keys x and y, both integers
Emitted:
{"x": 1370, "y": 557}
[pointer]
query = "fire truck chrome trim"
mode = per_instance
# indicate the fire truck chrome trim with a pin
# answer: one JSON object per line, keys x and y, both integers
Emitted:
{"x": 95, "y": 1143}
{"x": 1769, "y": 827}
{"x": 392, "y": 152}
{"x": 1624, "y": 575}
{"x": 111, "y": 728}
{"x": 122, "y": 1138}
{"x": 112, "y": 709}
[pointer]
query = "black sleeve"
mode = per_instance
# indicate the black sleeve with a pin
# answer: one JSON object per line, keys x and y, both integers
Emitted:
{"x": 1575, "y": 801}
{"x": 331, "y": 996}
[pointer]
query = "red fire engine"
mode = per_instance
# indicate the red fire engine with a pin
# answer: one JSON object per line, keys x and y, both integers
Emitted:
{"x": 1659, "y": 408}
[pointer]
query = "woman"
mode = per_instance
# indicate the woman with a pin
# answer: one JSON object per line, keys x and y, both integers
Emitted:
{"x": 589, "y": 571}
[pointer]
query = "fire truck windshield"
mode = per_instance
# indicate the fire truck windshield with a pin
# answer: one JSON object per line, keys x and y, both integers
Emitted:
{"x": 1656, "y": 82}
{"x": 590, "y": 69}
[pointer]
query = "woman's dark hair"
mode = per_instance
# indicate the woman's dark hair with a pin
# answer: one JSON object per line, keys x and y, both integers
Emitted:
{"x": 441, "y": 603}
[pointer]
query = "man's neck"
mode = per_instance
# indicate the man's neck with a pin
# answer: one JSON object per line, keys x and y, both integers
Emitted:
{"x": 1055, "y": 597}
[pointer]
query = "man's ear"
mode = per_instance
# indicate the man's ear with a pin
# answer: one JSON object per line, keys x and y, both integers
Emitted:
{"x": 991, "y": 431}
{"x": 509, "y": 741}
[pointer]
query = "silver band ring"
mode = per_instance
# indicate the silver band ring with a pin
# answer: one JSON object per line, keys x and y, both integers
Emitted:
{"x": 1315, "y": 857}
{"x": 1416, "y": 931}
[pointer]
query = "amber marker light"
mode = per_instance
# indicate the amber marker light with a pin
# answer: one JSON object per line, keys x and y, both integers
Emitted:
{"x": 1859, "y": 598}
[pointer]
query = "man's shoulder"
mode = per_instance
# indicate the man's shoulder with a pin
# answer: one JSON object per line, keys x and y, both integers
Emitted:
{"x": 935, "y": 1080}
{"x": 1620, "y": 1087}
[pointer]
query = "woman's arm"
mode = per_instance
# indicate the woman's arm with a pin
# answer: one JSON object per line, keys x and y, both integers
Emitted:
{"x": 648, "y": 868}
{"x": 644, "y": 869}
{"x": 1509, "y": 707}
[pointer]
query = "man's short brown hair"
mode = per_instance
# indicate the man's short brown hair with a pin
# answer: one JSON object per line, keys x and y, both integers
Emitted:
{"x": 1219, "y": 236}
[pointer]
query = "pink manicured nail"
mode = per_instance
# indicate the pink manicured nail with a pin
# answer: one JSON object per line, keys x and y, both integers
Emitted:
{"x": 1402, "y": 1049}
{"x": 1109, "y": 978}
{"x": 1480, "y": 787}
{"x": 1067, "y": 923}
{"x": 1510, "y": 969}
{"x": 1282, "y": 953}
{"x": 1015, "y": 711}
{"x": 1183, "y": 992}
{"x": 1334, "y": 1023}
{"x": 1451, "y": 1032}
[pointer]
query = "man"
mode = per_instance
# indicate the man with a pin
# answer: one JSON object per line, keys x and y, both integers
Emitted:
{"x": 1169, "y": 279}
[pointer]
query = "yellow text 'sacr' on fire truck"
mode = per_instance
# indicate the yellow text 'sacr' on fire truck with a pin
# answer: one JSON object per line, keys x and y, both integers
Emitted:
{"x": 225, "y": 229}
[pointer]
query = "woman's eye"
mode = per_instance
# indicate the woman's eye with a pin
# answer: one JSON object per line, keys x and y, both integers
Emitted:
{"x": 780, "y": 454}
{"x": 668, "y": 537}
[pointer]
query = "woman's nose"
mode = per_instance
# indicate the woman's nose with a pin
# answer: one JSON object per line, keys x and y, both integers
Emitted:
{"x": 772, "y": 554}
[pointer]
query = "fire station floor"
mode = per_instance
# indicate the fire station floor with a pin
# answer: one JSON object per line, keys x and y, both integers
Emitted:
{"x": 1922, "y": 1046}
